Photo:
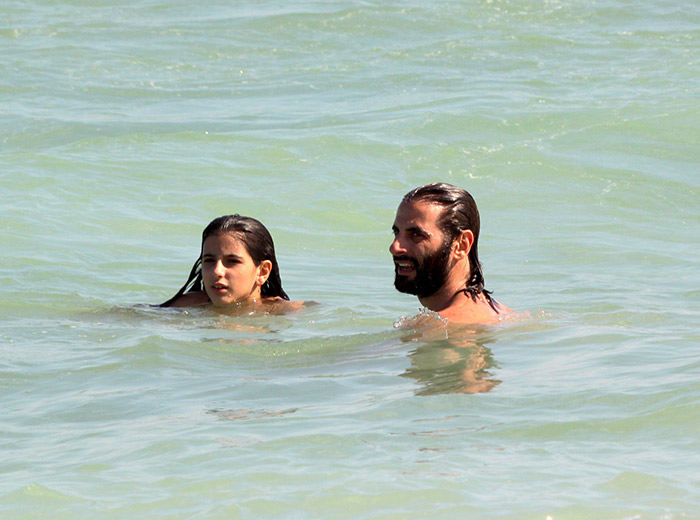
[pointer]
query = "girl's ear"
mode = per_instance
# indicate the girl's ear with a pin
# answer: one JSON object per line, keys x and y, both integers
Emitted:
{"x": 264, "y": 270}
{"x": 463, "y": 243}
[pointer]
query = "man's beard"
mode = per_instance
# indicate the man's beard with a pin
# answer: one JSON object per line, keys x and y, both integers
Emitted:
{"x": 430, "y": 273}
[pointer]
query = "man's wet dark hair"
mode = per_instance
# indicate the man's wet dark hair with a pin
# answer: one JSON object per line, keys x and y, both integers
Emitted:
{"x": 257, "y": 241}
{"x": 459, "y": 214}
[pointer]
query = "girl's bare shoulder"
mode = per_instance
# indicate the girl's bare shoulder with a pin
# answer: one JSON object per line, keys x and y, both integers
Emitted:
{"x": 277, "y": 305}
{"x": 191, "y": 299}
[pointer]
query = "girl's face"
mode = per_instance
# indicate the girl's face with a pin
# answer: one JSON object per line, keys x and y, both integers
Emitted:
{"x": 228, "y": 272}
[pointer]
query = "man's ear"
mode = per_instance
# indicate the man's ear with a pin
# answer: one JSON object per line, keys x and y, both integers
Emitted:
{"x": 264, "y": 270}
{"x": 463, "y": 243}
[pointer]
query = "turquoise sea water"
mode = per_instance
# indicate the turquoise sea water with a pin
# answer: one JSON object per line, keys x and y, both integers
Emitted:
{"x": 124, "y": 129}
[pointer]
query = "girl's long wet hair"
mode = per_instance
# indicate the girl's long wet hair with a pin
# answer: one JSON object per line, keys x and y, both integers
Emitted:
{"x": 257, "y": 241}
{"x": 460, "y": 213}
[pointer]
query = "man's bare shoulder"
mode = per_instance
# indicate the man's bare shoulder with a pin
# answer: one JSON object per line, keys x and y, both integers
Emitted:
{"x": 476, "y": 312}
{"x": 502, "y": 309}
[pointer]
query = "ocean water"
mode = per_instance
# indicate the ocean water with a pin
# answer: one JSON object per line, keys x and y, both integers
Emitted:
{"x": 126, "y": 127}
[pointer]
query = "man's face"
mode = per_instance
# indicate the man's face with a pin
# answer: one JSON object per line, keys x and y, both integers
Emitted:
{"x": 421, "y": 254}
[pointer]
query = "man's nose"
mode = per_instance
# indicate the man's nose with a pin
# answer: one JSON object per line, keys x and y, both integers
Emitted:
{"x": 396, "y": 248}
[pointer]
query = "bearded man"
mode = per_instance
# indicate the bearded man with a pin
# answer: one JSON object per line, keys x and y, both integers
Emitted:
{"x": 436, "y": 234}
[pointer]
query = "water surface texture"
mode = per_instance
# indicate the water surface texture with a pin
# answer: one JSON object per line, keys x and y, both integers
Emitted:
{"x": 125, "y": 127}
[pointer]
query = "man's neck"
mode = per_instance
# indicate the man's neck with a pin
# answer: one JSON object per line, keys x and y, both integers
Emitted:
{"x": 443, "y": 299}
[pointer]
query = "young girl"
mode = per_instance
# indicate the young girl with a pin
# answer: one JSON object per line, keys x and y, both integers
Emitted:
{"x": 237, "y": 268}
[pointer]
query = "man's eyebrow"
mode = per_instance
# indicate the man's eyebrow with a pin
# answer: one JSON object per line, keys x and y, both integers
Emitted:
{"x": 419, "y": 231}
{"x": 225, "y": 256}
{"x": 416, "y": 230}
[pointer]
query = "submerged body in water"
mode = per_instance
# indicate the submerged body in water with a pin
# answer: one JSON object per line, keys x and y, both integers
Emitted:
{"x": 449, "y": 358}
